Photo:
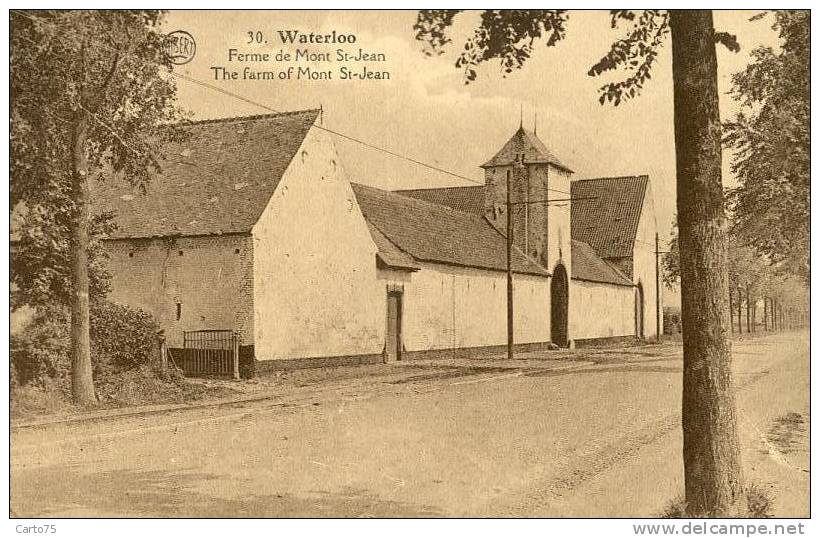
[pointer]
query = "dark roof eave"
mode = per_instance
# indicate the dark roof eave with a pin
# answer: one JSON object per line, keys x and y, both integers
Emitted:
{"x": 622, "y": 284}
{"x": 381, "y": 263}
{"x": 491, "y": 164}
{"x": 544, "y": 274}
{"x": 173, "y": 236}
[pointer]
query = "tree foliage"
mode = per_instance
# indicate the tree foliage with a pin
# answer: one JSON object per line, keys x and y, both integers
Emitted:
{"x": 771, "y": 138}
{"x": 509, "y": 36}
{"x": 748, "y": 271}
{"x": 109, "y": 66}
{"x": 122, "y": 338}
{"x": 636, "y": 52}
{"x": 670, "y": 263}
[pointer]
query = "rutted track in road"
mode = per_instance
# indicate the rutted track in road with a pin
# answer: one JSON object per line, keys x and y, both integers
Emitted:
{"x": 587, "y": 462}
{"x": 304, "y": 398}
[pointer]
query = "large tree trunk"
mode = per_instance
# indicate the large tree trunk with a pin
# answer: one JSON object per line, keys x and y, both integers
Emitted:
{"x": 711, "y": 455}
{"x": 731, "y": 311}
{"x": 82, "y": 382}
{"x": 749, "y": 327}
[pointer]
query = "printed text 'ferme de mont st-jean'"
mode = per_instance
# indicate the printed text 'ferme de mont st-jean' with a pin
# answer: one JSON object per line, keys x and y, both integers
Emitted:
{"x": 301, "y": 56}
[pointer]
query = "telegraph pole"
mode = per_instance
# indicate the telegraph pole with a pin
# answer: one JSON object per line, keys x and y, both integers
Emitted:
{"x": 657, "y": 288}
{"x": 510, "y": 334}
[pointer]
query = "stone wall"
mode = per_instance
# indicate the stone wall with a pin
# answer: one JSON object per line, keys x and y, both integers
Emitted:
{"x": 188, "y": 283}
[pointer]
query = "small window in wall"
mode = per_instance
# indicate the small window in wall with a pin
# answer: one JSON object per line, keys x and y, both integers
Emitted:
{"x": 236, "y": 251}
{"x": 179, "y": 311}
{"x": 130, "y": 254}
{"x": 180, "y": 253}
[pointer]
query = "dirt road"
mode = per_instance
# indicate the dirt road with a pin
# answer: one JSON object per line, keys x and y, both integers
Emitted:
{"x": 519, "y": 439}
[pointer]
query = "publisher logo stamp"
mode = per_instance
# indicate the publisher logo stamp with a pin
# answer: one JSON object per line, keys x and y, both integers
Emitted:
{"x": 180, "y": 47}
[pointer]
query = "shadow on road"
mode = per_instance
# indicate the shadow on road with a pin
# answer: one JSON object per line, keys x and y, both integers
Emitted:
{"x": 154, "y": 493}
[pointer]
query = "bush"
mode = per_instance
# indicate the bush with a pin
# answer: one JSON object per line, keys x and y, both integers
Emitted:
{"x": 122, "y": 338}
{"x": 40, "y": 351}
{"x": 124, "y": 355}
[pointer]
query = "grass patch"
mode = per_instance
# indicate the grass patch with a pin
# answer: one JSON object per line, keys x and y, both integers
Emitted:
{"x": 139, "y": 386}
{"x": 674, "y": 509}
{"x": 786, "y": 431}
{"x": 34, "y": 400}
{"x": 758, "y": 504}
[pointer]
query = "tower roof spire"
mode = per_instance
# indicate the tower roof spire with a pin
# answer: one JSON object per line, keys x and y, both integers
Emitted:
{"x": 521, "y": 124}
{"x": 525, "y": 143}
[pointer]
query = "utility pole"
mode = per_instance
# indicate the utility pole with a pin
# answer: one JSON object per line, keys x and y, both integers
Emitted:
{"x": 510, "y": 334}
{"x": 657, "y": 288}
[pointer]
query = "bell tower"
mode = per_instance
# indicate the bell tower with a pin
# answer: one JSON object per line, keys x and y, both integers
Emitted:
{"x": 540, "y": 229}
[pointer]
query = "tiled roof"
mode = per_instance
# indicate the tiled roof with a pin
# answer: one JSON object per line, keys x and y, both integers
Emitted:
{"x": 533, "y": 148}
{"x": 389, "y": 255}
{"x": 609, "y": 222}
{"x": 587, "y": 265}
{"x": 217, "y": 181}
{"x": 466, "y": 199}
{"x": 434, "y": 233}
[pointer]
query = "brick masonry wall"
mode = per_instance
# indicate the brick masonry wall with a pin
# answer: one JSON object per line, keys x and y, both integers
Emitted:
{"x": 211, "y": 278}
{"x": 541, "y": 230}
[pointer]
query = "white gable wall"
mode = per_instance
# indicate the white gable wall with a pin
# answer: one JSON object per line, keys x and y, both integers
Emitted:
{"x": 316, "y": 291}
{"x": 643, "y": 268}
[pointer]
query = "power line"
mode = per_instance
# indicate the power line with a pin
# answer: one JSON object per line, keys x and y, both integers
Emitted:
{"x": 258, "y": 104}
{"x": 244, "y": 99}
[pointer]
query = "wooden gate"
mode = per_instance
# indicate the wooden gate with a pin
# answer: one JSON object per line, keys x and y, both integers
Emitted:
{"x": 207, "y": 353}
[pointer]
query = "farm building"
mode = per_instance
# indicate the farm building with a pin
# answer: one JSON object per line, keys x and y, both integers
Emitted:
{"x": 254, "y": 227}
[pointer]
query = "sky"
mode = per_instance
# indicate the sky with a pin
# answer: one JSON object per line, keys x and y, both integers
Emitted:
{"x": 426, "y": 112}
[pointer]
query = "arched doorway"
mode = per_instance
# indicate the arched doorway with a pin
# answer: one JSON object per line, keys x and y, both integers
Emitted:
{"x": 639, "y": 332}
{"x": 559, "y": 303}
